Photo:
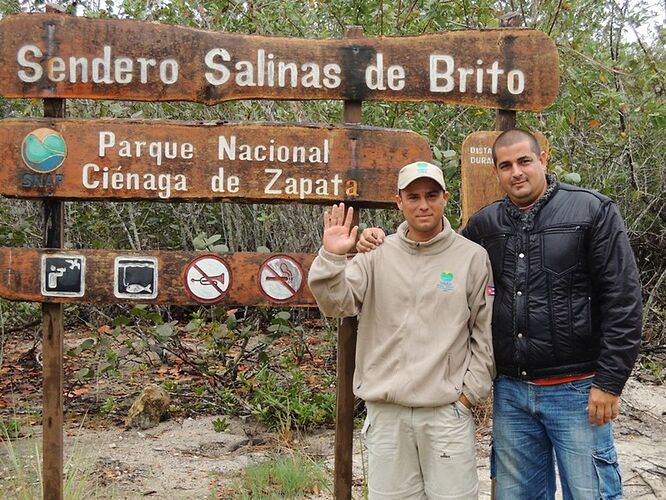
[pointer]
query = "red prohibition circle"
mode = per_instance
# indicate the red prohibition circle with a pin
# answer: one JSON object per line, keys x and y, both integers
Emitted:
{"x": 265, "y": 265}
{"x": 193, "y": 263}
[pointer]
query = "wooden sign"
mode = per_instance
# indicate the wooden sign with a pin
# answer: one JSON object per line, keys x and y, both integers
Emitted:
{"x": 479, "y": 185}
{"x": 155, "y": 277}
{"x": 178, "y": 161}
{"x": 51, "y": 55}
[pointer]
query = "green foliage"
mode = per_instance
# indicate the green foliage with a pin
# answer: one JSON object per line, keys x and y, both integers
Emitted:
{"x": 16, "y": 314}
{"x": 245, "y": 362}
{"x": 10, "y": 429}
{"x": 201, "y": 242}
{"x": 293, "y": 476}
{"x": 21, "y": 471}
{"x": 95, "y": 355}
{"x": 655, "y": 368}
{"x": 284, "y": 400}
{"x": 170, "y": 385}
{"x": 220, "y": 424}
{"x": 108, "y": 406}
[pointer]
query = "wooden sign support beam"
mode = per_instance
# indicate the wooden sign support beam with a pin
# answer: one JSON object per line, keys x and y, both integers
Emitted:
{"x": 347, "y": 332}
{"x": 506, "y": 119}
{"x": 53, "y": 338}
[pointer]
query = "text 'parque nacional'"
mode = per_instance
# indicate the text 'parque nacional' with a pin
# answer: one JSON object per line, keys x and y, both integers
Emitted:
{"x": 180, "y": 161}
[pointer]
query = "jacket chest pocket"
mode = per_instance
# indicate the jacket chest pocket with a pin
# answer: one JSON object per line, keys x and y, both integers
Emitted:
{"x": 561, "y": 249}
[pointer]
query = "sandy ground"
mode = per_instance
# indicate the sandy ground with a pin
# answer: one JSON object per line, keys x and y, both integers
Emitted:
{"x": 185, "y": 459}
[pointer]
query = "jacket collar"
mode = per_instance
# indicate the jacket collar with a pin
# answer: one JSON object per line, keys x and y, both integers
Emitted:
{"x": 442, "y": 240}
{"x": 526, "y": 217}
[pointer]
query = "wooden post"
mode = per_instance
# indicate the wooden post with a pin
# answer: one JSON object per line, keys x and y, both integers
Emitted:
{"x": 347, "y": 331}
{"x": 506, "y": 119}
{"x": 53, "y": 335}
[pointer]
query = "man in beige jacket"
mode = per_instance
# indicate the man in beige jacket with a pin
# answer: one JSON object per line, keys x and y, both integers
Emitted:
{"x": 424, "y": 351}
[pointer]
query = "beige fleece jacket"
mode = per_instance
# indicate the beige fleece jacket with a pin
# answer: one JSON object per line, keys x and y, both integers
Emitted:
{"x": 424, "y": 317}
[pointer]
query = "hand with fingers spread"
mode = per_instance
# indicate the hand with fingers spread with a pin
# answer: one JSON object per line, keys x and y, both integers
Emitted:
{"x": 602, "y": 406}
{"x": 339, "y": 236}
{"x": 370, "y": 239}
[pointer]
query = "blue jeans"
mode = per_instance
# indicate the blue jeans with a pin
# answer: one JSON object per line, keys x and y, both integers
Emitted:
{"x": 534, "y": 425}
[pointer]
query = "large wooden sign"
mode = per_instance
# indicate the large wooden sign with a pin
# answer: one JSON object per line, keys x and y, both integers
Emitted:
{"x": 51, "y": 55}
{"x": 479, "y": 184}
{"x": 172, "y": 161}
{"x": 155, "y": 277}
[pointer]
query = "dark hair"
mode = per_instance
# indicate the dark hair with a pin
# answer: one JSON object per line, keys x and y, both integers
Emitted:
{"x": 513, "y": 136}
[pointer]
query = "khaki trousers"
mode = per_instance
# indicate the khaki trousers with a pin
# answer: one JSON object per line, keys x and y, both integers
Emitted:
{"x": 420, "y": 453}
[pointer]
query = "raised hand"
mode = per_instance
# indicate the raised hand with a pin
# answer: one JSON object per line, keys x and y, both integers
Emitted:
{"x": 339, "y": 236}
{"x": 370, "y": 239}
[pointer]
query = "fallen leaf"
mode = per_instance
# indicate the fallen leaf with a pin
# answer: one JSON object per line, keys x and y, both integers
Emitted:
{"x": 80, "y": 391}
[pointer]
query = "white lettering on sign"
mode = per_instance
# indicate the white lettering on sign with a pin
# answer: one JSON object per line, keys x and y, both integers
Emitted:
{"x": 228, "y": 148}
{"x": 480, "y": 155}
{"x": 266, "y": 71}
{"x": 481, "y": 160}
{"x": 106, "y": 69}
{"x": 446, "y": 77}
{"x": 302, "y": 186}
{"x": 157, "y": 150}
{"x": 95, "y": 177}
{"x": 220, "y": 184}
{"x": 374, "y": 76}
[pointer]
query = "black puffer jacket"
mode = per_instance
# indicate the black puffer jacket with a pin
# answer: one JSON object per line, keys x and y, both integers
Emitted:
{"x": 568, "y": 297}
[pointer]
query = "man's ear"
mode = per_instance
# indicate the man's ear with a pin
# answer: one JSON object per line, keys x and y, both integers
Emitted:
{"x": 543, "y": 158}
{"x": 398, "y": 201}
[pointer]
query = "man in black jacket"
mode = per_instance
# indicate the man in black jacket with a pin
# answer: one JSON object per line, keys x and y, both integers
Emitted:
{"x": 566, "y": 326}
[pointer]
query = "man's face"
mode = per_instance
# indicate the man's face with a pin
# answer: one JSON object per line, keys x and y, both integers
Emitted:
{"x": 422, "y": 203}
{"x": 521, "y": 173}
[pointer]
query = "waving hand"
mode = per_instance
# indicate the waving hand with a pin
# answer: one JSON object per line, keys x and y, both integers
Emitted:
{"x": 339, "y": 236}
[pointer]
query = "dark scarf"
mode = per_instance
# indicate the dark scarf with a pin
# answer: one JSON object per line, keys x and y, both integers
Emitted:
{"x": 526, "y": 217}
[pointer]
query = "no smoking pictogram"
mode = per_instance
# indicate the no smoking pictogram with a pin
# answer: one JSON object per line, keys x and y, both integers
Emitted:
{"x": 280, "y": 278}
{"x": 207, "y": 278}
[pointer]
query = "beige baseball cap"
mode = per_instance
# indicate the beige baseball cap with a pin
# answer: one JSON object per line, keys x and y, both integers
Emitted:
{"x": 409, "y": 173}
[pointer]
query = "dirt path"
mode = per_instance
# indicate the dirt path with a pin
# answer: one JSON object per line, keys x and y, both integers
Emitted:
{"x": 186, "y": 459}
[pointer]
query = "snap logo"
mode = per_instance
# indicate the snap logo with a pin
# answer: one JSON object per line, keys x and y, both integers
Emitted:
{"x": 445, "y": 282}
{"x": 43, "y": 150}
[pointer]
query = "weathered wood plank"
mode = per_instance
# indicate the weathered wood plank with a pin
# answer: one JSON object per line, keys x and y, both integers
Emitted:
{"x": 346, "y": 356}
{"x": 111, "y": 277}
{"x": 178, "y": 161}
{"x": 136, "y": 60}
{"x": 479, "y": 185}
{"x": 53, "y": 333}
